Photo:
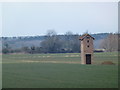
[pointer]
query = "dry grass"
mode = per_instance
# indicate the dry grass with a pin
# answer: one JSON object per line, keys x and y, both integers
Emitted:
{"x": 67, "y": 62}
{"x": 108, "y": 63}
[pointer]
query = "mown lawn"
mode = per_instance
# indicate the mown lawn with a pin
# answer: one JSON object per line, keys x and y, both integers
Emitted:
{"x": 59, "y": 71}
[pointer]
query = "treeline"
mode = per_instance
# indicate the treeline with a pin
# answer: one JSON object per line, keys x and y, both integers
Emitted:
{"x": 53, "y": 43}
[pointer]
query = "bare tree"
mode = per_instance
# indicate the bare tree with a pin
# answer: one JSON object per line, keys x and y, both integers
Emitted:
{"x": 68, "y": 41}
{"x": 52, "y": 43}
{"x": 25, "y": 49}
{"x": 6, "y": 48}
{"x": 110, "y": 43}
{"x": 51, "y": 33}
{"x": 32, "y": 49}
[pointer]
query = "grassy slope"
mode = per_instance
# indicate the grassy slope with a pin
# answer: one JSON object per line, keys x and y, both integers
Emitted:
{"x": 17, "y": 74}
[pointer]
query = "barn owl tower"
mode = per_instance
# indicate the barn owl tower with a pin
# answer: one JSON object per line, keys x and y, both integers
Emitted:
{"x": 87, "y": 49}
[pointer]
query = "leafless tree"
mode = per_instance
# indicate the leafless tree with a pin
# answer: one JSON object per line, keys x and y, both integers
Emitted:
{"x": 52, "y": 42}
{"x": 110, "y": 43}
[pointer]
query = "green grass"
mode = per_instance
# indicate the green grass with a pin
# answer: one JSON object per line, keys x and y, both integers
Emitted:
{"x": 0, "y": 72}
{"x": 59, "y": 71}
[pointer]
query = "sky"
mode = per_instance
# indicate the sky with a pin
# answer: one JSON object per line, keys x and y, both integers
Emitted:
{"x": 0, "y": 19}
{"x": 36, "y": 18}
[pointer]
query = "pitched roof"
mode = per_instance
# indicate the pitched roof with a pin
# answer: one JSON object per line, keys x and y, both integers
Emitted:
{"x": 85, "y": 35}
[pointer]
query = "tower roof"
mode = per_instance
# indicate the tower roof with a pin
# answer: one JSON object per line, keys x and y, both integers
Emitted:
{"x": 85, "y": 35}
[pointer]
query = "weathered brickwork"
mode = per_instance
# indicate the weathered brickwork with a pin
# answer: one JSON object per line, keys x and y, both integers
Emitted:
{"x": 87, "y": 49}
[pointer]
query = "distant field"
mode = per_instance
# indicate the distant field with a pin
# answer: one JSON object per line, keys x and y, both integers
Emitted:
{"x": 59, "y": 71}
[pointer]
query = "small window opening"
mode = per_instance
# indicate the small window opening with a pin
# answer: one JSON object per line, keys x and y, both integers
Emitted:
{"x": 88, "y": 37}
{"x": 88, "y": 41}
{"x": 88, "y": 46}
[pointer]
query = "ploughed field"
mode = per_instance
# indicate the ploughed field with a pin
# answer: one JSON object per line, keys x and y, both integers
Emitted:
{"x": 59, "y": 71}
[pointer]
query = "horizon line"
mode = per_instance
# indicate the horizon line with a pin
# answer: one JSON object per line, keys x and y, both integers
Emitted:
{"x": 57, "y": 34}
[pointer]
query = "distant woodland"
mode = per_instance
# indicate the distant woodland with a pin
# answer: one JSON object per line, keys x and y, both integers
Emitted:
{"x": 54, "y": 43}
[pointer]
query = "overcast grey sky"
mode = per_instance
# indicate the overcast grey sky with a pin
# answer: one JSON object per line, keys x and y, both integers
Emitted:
{"x": 22, "y": 19}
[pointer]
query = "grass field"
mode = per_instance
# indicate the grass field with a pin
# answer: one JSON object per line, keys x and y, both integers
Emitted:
{"x": 58, "y": 71}
{"x": 0, "y": 72}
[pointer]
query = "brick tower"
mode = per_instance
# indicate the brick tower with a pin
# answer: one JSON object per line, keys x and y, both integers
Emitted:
{"x": 87, "y": 49}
